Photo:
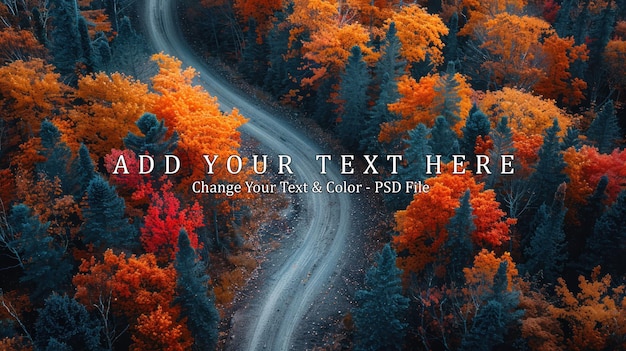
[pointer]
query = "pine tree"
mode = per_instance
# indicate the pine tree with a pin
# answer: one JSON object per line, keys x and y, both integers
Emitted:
{"x": 84, "y": 169}
{"x": 547, "y": 251}
{"x": 40, "y": 256}
{"x": 353, "y": 92}
{"x": 459, "y": 243}
{"x": 102, "y": 51}
{"x": 443, "y": 140}
{"x": 604, "y": 131}
{"x": 154, "y": 141}
{"x": 588, "y": 216}
{"x": 88, "y": 57}
{"x": 451, "y": 50}
{"x": 64, "y": 324}
{"x": 548, "y": 173}
{"x": 253, "y": 57}
{"x": 477, "y": 124}
{"x": 607, "y": 245}
{"x": 388, "y": 68}
{"x": 129, "y": 51}
{"x": 502, "y": 138}
{"x": 195, "y": 296}
{"x": 324, "y": 111}
{"x": 58, "y": 156}
{"x": 283, "y": 69}
{"x": 65, "y": 38}
{"x": 381, "y": 308}
{"x": 571, "y": 139}
{"x": 491, "y": 322}
{"x": 39, "y": 28}
{"x": 105, "y": 224}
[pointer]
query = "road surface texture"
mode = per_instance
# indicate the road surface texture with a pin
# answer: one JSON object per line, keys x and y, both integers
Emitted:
{"x": 305, "y": 269}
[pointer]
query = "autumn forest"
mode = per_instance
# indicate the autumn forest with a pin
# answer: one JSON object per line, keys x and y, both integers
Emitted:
{"x": 535, "y": 260}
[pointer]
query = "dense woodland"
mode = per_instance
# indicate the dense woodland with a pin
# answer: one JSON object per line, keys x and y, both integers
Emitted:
{"x": 530, "y": 261}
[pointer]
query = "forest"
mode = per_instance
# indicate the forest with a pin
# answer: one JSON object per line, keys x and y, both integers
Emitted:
{"x": 534, "y": 260}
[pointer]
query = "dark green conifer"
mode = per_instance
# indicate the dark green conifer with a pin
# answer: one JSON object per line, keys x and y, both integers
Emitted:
{"x": 381, "y": 307}
{"x": 459, "y": 243}
{"x": 443, "y": 140}
{"x": 477, "y": 124}
{"x": 604, "y": 131}
{"x": 502, "y": 138}
{"x": 195, "y": 296}
{"x": 353, "y": 94}
{"x": 65, "y": 38}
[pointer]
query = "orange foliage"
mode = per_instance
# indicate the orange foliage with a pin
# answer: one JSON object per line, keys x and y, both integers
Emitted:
{"x": 422, "y": 226}
{"x": 31, "y": 92}
{"x": 262, "y": 11}
{"x": 527, "y": 113}
{"x": 136, "y": 287}
{"x": 417, "y": 104}
{"x": 98, "y": 22}
{"x": 196, "y": 116}
{"x": 158, "y": 331}
{"x": 330, "y": 48}
{"x": 586, "y": 167}
{"x": 480, "y": 11}
{"x": 514, "y": 43}
{"x": 557, "y": 83}
{"x": 479, "y": 277}
{"x": 540, "y": 329}
{"x": 526, "y": 151}
{"x": 615, "y": 56}
{"x": 109, "y": 108}
{"x": 19, "y": 45}
{"x": 595, "y": 316}
{"x": 420, "y": 34}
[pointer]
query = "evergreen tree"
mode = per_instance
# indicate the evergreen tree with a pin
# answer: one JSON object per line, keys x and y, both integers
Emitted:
{"x": 459, "y": 243}
{"x": 502, "y": 138}
{"x": 385, "y": 86}
{"x": 604, "y": 131}
{"x": 154, "y": 141}
{"x": 588, "y": 215}
{"x": 476, "y": 124}
{"x": 443, "y": 140}
{"x": 88, "y": 57}
{"x": 102, "y": 51}
{"x": 546, "y": 253}
{"x": 491, "y": 322}
{"x": 194, "y": 296}
{"x": 378, "y": 317}
{"x": 447, "y": 101}
{"x": 571, "y": 139}
{"x": 65, "y": 38}
{"x": 283, "y": 69}
{"x": 451, "y": 50}
{"x": 418, "y": 147}
{"x": 607, "y": 245}
{"x": 105, "y": 225}
{"x": 549, "y": 169}
{"x": 324, "y": 111}
{"x": 83, "y": 169}
{"x": 129, "y": 52}
{"x": 38, "y": 28}
{"x": 58, "y": 156}
{"x": 353, "y": 91}
{"x": 64, "y": 324}
{"x": 39, "y": 255}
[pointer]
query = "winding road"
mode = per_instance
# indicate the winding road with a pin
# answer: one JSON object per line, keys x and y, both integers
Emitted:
{"x": 272, "y": 320}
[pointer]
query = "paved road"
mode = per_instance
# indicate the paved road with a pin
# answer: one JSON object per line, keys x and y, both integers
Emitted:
{"x": 272, "y": 320}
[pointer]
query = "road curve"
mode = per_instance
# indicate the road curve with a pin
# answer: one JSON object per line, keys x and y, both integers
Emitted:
{"x": 320, "y": 236}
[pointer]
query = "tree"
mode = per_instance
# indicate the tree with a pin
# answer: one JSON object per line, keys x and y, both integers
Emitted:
{"x": 443, "y": 140}
{"x": 476, "y": 125}
{"x": 40, "y": 256}
{"x": 353, "y": 91}
{"x": 195, "y": 297}
{"x": 88, "y": 58}
{"x": 491, "y": 322}
{"x": 105, "y": 225}
{"x": 378, "y": 317}
{"x": 65, "y": 38}
{"x": 155, "y": 140}
{"x": 608, "y": 236}
{"x": 417, "y": 148}
{"x": 58, "y": 157}
{"x": 157, "y": 330}
{"x": 460, "y": 230}
{"x": 548, "y": 173}
{"x": 420, "y": 34}
{"x": 64, "y": 324}
{"x": 129, "y": 52}
{"x": 547, "y": 252}
{"x": 502, "y": 143}
{"x": 447, "y": 102}
{"x": 19, "y": 45}
{"x": 594, "y": 316}
{"x": 422, "y": 226}
{"x": 165, "y": 218}
{"x": 84, "y": 169}
{"x": 604, "y": 131}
